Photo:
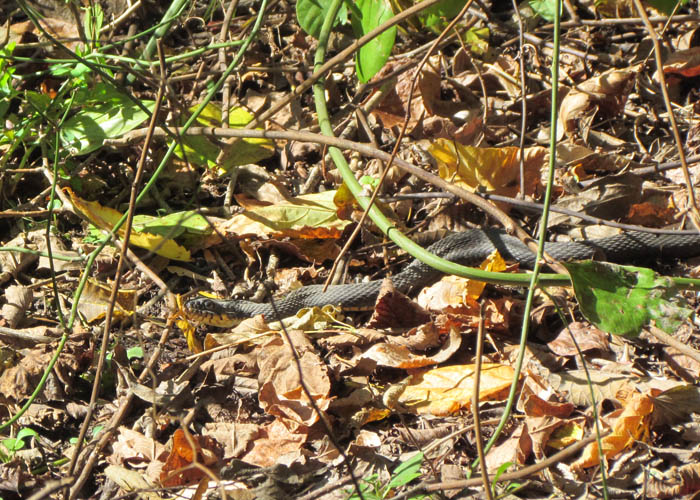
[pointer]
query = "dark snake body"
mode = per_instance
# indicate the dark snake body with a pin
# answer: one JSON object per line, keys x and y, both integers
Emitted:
{"x": 468, "y": 248}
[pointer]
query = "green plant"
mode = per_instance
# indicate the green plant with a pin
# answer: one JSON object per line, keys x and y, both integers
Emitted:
{"x": 95, "y": 432}
{"x": 365, "y": 15}
{"x": 506, "y": 488}
{"x": 10, "y": 446}
{"x": 407, "y": 471}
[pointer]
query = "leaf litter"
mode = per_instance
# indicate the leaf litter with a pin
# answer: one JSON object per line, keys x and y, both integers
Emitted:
{"x": 256, "y": 410}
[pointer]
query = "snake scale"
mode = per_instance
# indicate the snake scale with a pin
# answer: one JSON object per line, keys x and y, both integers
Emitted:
{"x": 468, "y": 248}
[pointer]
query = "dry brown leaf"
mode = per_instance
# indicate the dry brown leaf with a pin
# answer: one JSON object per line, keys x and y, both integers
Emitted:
{"x": 393, "y": 309}
{"x": 399, "y": 356}
{"x": 19, "y": 381}
{"x": 516, "y": 449}
{"x": 587, "y": 337}
{"x": 131, "y": 480}
{"x": 138, "y": 451}
{"x": 683, "y": 62}
{"x": 534, "y": 406}
{"x": 573, "y": 383}
{"x": 676, "y": 405}
{"x": 12, "y": 263}
{"x": 95, "y": 300}
{"x": 686, "y": 367}
{"x": 606, "y": 94}
{"x": 66, "y": 31}
{"x": 17, "y": 301}
{"x": 235, "y": 437}
{"x": 281, "y": 393}
{"x": 675, "y": 483}
{"x": 273, "y": 441}
{"x": 656, "y": 211}
{"x": 392, "y": 110}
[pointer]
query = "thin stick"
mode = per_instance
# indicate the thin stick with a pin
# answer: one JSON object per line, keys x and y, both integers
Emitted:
{"x": 475, "y": 404}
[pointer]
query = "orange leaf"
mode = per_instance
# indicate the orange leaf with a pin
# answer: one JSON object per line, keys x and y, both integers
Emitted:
{"x": 447, "y": 389}
{"x": 631, "y": 425}
{"x": 178, "y": 469}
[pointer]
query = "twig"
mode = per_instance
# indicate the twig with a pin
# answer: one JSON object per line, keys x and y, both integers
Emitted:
{"x": 475, "y": 404}
{"x": 671, "y": 341}
{"x": 117, "y": 279}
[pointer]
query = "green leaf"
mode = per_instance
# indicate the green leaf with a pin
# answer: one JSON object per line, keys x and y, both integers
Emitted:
{"x": 545, "y": 8}
{"x": 202, "y": 151}
{"x": 499, "y": 472}
{"x": 478, "y": 40}
{"x": 134, "y": 352}
{"x": 372, "y": 56}
{"x": 623, "y": 299}
{"x": 666, "y": 6}
{"x": 311, "y": 13}
{"x": 315, "y": 210}
{"x": 406, "y": 471}
{"x": 437, "y": 16}
{"x": 17, "y": 443}
{"x": 173, "y": 225}
{"x": 106, "y": 113}
{"x": 27, "y": 432}
{"x": 12, "y": 445}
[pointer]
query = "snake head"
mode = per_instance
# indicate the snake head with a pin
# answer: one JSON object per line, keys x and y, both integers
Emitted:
{"x": 210, "y": 311}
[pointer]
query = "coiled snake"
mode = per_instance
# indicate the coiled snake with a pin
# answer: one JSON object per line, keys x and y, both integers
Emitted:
{"x": 468, "y": 248}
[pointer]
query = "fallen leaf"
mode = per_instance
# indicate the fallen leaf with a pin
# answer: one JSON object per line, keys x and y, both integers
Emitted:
{"x": 683, "y": 62}
{"x": 273, "y": 441}
{"x": 446, "y": 390}
{"x": 491, "y": 170}
{"x": 399, "y": 356}
{"x": 630, "y": 426}
{"x": 677, "y": 482}
{"x": 17, "y": 301}
{"x": 179, "y": 469}
{"x": 105, "y": 218}
{"x": 606, "y": 94}
{"x": 94, "y": 302}
{"x": 281, "y": 393}
{"x": 587, "y": 337}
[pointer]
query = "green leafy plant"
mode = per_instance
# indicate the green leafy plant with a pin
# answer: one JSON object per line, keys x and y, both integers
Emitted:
{"x": 407, "y": 471}
{"x": 506, "y": 488}
{"x": 95, "y": 432}
{"x": 10, "y": 446}
{"x": 547, "y": 9}
{"x": 365, "y": 15}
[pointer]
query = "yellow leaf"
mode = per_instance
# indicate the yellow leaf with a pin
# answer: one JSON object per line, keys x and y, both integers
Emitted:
{"x": 566, "y": 435}
{"x": 105, "y": 218}
{"x": 95, "y": 300}
{"x": 447, "y": 389}
{"x": 492, "y": 170}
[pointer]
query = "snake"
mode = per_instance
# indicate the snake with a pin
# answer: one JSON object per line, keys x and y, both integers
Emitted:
{"x": 468, "y": 248}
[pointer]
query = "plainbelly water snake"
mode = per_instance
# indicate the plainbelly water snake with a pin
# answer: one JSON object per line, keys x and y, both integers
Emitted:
{"x": 467, "y": 248}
